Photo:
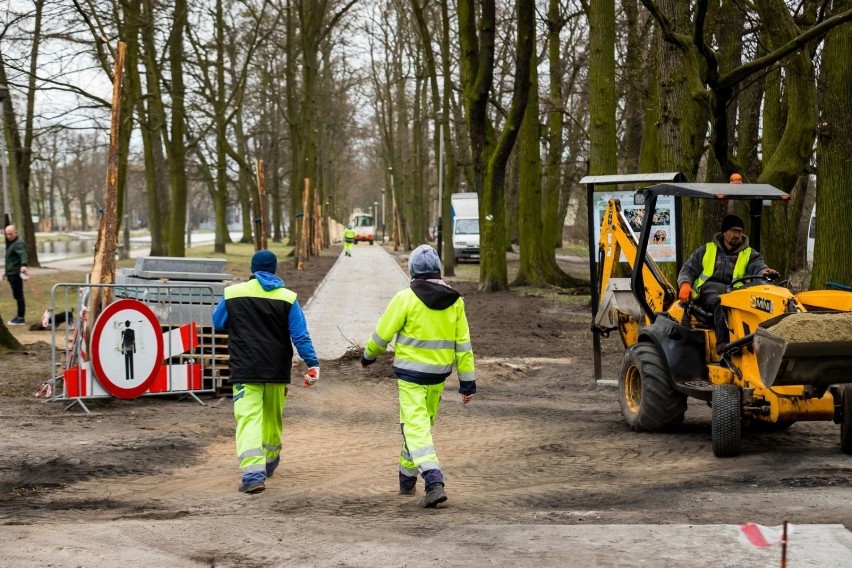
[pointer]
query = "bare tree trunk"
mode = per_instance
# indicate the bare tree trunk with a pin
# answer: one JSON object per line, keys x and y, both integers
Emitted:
{"x": 490, "y": 156}
{"x": 177, "y": 144}
{"x": 603, "y": 139}
{"x": 792, "y": 156}
{"x": 833, "y": 244}
{"x": 537, "y": 258}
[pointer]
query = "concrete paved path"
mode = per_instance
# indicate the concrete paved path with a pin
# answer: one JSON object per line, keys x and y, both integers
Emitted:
{"x": 347, "y": 304}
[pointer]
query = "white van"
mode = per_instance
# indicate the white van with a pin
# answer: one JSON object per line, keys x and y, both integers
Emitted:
{"x": 811, "y": 237}
{"x": 465, "y": 221}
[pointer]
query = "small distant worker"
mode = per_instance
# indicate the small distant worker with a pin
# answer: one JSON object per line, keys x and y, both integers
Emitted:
{"x": 431, "y": 329}
{"x": 348, "y": 239}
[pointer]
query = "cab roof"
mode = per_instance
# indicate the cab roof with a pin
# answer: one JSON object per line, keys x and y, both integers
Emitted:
{"x": 717, "y": 190}
{"x": 674, "y": 183}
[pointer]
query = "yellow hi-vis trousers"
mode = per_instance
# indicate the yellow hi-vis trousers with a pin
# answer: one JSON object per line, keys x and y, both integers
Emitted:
{"x": 418, "y": 408}
{"x": 259, "y": 411}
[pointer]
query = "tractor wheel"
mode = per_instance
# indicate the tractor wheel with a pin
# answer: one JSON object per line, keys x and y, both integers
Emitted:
{"x": 645, "y": 393}
{"x": 846, "y": 423}
{"x": 727, "y": 421}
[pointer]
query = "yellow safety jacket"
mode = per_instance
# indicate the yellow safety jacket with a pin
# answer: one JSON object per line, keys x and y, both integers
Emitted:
{"x": 432, "y": 334}
{"x": 708, "y": 266}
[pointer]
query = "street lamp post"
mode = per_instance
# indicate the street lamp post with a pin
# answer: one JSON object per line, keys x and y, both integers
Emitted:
{"x": 383, "y": 216}
{"x": 440, "y": 234}
{"x": 4, "y": 92}
{"x": 390, "y": 171}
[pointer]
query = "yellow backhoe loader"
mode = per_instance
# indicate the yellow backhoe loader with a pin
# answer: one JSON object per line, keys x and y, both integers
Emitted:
{"x": 790, "y": 355}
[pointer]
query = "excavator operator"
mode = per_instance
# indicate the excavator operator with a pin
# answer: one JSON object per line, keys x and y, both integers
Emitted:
{"x": 713, "y": 267}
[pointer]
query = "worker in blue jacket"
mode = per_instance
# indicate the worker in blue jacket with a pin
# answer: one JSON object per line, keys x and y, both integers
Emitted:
{"x": 432, "y": 336}
{"x": 263, "y": 320}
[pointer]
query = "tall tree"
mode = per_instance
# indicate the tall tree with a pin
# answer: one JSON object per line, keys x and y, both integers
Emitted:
{"x": 833, "y": 244}
{"x": 176, "y": 144}
{"x": 491, "y": 152}
{"x": 537, "y": 258}
{"x": 603, "y": 140}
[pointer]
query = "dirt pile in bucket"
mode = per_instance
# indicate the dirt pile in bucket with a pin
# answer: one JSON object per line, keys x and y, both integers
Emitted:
{"x": 815, "y": 328}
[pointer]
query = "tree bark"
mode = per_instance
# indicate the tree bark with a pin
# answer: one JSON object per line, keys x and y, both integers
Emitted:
{"x": 537, "y": 257}
{"x": 491, "y": 155}
{"x": 833, "y": 244}
{"x": 792, "y": 156}
{"x": 602, "y": 134}
{"x": 177, "y": 145}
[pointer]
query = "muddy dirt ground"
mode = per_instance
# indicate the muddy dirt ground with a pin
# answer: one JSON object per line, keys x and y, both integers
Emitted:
{"x": 153, "y": 481}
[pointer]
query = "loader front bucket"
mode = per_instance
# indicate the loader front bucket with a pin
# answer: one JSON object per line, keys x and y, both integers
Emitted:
{"x": 805, "y": 349}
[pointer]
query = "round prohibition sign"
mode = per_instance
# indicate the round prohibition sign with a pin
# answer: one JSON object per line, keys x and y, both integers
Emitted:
{"x": 127, "y": 348}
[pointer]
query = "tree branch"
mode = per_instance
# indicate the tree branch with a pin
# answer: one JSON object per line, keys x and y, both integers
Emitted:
{"x": 744, "y": 71}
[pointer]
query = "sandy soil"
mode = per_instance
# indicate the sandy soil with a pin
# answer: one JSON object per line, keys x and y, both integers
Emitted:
{"x": 154, "y": 480}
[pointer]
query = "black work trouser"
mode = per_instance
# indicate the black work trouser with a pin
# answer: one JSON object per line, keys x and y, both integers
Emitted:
{"x": 17, "y": 285}
{"x": 712, "y": 303}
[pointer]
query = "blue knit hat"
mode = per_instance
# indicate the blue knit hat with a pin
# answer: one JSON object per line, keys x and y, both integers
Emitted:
{"x": 424, "y": 260}
{"x": 264, "y": 261}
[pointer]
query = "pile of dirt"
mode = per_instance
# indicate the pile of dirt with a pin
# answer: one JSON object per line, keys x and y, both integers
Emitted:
{"x": 814, "y": 328}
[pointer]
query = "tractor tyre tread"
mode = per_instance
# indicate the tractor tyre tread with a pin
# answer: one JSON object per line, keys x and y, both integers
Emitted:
{"x": 727, "y": 421}
{"x": 661, "y": 406}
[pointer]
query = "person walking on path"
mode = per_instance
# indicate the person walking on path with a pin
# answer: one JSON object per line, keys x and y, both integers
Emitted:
{"x": 348, "y": 239}
{"x": 263, "y": 320}
{"x": 432, "y": 333}
{"x": 16, "y": 271}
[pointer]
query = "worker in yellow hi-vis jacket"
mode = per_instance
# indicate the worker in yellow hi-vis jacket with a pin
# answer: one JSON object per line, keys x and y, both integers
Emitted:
{"x": 348, "y": 240}
{"x": 429, "y": 321}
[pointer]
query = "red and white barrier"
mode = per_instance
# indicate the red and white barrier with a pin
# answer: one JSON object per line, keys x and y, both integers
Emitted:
{"x": 81, "y": 382}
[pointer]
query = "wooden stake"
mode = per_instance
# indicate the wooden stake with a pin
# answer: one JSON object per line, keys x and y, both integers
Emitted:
{"x": 260, "y": 220}
{"x": 784, "y": 546}
{"x": 103, "y": 269}
{"x": 306, "y": 217}
{"x": 317, "y": 224}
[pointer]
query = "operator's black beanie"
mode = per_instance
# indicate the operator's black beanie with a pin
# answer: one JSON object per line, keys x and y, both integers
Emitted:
{"x": 264, "y": 261}
{"x": 731, "y": 221}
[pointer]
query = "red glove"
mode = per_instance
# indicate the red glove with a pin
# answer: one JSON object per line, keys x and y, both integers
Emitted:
{"x": 311, "y": 376}
{"x": 685, "y": 292}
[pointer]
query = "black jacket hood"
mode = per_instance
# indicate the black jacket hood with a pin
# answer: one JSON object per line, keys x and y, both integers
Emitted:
{"x": 436, "y": 295}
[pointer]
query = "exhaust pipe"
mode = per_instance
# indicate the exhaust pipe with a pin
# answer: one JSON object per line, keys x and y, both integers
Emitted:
{"x": 805, "y": 349}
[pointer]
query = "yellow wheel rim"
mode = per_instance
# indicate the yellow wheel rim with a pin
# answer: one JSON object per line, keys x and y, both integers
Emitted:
{"x": 633, "y": 388}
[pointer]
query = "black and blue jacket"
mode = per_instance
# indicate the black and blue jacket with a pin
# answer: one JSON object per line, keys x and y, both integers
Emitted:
{"x": 263, "y": 321}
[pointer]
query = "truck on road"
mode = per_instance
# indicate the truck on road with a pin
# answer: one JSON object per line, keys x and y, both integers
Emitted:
{"x": 465, "y": 223}
{"x": 365, "y": 229}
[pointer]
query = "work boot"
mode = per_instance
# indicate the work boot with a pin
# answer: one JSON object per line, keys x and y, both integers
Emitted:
{"x": 407, "y": 484}
{"x": 272, "y": 466}
{"x": 434, "y": 495}
{"x": 252, "y": 487}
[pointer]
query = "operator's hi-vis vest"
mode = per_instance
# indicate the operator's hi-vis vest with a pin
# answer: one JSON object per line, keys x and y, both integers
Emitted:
{"x": 349, "y": 235}
{"x": 708, "y": 266}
